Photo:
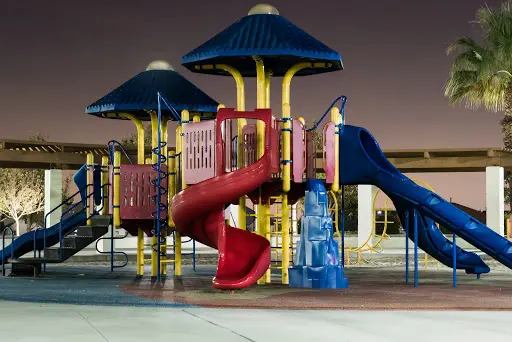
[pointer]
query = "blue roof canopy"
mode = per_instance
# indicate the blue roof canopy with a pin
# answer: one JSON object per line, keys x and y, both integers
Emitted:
{"x": 277, "y": 40}
{"x": 139, "y": 95}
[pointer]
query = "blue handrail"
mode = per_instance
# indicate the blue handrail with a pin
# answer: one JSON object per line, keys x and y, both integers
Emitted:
{"x": 95, "y": 212}
{"x": 112, "y": 252}
{"x": 111, "y": 148}
{"x": 161, "y": 190}
{"x": 343, "y": 100}
{"x": 4, "y": 233}
{"x": 35, "y": 241}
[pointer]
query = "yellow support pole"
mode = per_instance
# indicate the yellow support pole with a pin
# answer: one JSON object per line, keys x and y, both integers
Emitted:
{"x": 261, "y": 213}
{"x": 163, "y": 232}
{"x": 286, "y": 167}
{"x": 336, "y": 118}
{"x": 117, "y": 189}
{"x": 172, "y": 192}
{"x": 154, "y": 240}
{"x": 268, "y": 74}
{"x": 140, "y": 160}
{"x": 140, "y": 133}
{"x": 240, "y": 106}
{"x": 177, "y": 166}
{"x": 185, "y": 119}
{"x": 287, "y": 121}
{"x": 89, "y": 189}
{"x": 104, "y": 186}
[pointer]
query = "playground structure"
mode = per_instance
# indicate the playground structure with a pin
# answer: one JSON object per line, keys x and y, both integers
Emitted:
{"x": 229, "y": 156}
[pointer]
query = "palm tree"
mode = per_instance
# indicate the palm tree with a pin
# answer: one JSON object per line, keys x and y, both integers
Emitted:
{"x": 481, "y": 74}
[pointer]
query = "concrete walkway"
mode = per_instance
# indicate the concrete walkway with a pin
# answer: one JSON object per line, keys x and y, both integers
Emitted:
{"x": 54, "y": 322}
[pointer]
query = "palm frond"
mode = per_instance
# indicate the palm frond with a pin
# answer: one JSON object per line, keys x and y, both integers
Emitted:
{"x": 481, "y": 72}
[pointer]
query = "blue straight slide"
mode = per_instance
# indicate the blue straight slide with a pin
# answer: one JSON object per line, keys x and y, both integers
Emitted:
{"x": 25, "y": 243}
{"x": 363, "y": 162}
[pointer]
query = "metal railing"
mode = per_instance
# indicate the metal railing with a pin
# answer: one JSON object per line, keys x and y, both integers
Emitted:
{"x": 2, "y": 256}
{"x": 111, "y": 147}
{"x": 112, "y": 252}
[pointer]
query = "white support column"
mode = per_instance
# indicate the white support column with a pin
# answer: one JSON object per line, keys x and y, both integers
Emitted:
{"x": 52, "y": 195}
{"x": 294, "y": 219}
{"x": 231, "y": 214}
{"x": 365, "y": 194}
{"x": 495, "y": 198}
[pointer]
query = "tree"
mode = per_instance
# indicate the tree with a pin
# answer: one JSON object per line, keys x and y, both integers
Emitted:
{"x": 130, "y": 141}
{"x": 481, "y": 73}
{"x": 37, "y": 219}
{"x": 350, "y": 190}
{"x": 22, "y": 193}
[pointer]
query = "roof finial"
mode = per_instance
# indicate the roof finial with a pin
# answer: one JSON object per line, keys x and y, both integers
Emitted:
{"x": 159, "y": 65}
{"x": 264, "y": 9}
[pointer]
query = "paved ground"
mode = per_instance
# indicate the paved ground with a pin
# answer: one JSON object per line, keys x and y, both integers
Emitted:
{"x": 28, "y": 322}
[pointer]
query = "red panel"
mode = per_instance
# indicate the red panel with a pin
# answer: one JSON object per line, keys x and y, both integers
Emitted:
{"x": 137, "y": 192}
{"x": 328, "y": 152}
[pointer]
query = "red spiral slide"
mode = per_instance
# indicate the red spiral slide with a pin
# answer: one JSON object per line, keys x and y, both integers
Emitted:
{"x": 198, "y": 212}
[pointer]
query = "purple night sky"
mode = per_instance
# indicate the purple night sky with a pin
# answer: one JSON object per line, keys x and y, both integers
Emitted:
{"x": 59, "y": 56}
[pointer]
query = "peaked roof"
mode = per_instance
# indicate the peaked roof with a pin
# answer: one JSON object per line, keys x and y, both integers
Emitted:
{"x": 139, "y": 94}
{"x": 280, "y": 42}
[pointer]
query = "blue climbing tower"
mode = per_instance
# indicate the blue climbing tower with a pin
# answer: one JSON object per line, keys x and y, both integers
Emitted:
{"x": 317, "y": 262}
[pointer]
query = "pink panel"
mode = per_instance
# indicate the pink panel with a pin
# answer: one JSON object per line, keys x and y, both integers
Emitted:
{"x": 329, "y": 160}
{"x": 298, "y": 150}
{"x": 199, "y": 152}
{"x": 310, "y": 155}
{"x": 275, "y": 156}
{"x": 137, "y": 192}
{"x": 249, "y": 144}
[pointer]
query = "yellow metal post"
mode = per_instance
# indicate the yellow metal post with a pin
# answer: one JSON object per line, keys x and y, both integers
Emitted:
{"x": 268, "y": 74}
{"x": 90, "y": 188}
{"x": 240, "y": 106}
{"x": 140, "y": 160}
{"x": 173, "y": 169}
{"x": 117, "y": 189}
{"x": 185, "y": 119}
{"x": 286, "y": 167}
{"x": 140, "y": 133}
{"x": 163, "y": 232}
{"x": 336, "y": 118}
{"x": 154, "y": 240}
{"x": 104, "y": 186}
{"x": 178, "y": 165}
{"x": 261, "y": 213}
{"x": 287, "y": 121}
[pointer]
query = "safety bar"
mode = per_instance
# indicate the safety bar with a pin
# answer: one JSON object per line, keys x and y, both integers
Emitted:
{"x": 343, "y": 100}
{"x": 112, "y": 252}
{"x": 111, "y": 149}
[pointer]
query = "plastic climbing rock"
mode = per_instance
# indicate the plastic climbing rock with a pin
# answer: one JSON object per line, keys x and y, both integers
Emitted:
{"x": 317, "y": 260}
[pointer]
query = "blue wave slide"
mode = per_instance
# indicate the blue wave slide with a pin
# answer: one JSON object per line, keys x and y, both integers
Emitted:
{"x": 25, "y": 243}
{"x": 363, "y": 162}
